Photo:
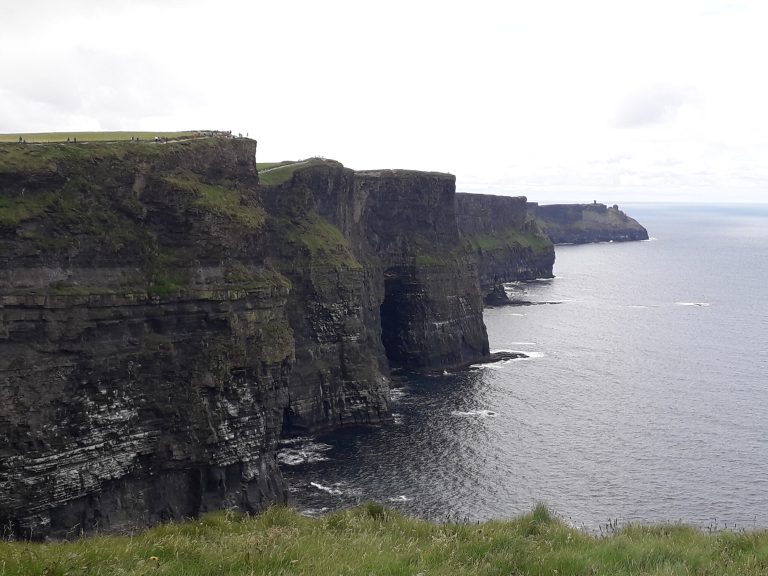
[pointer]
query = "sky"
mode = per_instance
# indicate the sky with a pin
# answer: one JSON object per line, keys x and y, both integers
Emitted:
{"x": 559, "y": 100}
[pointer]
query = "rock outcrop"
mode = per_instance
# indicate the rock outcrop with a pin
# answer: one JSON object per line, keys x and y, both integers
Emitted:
{"x": 585, "y": 223}
{"x": 165, "y": 316}
{"x": 506, "y": 242}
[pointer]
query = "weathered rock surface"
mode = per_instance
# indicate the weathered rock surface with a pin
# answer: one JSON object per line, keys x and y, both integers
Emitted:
{"x": 585, "y": 223}
{"x": 506, "y": 242}
{"x": 145, "y": 349}
{"x": 431, "y": 316}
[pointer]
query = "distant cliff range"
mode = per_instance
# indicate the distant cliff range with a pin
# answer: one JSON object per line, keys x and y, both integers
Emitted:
{"x": 585, "y": 223}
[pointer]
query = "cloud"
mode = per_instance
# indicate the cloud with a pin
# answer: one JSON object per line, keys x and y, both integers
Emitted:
{"x": 657, "y": 104}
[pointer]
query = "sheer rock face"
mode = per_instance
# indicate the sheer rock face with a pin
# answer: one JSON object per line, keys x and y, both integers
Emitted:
{"x": 145, "y": 349}
{"x": 585, "y": 223}
{"x": 506, "y": 243}
{"x": 431, "y": 315}
{"x": 338, "y": 378}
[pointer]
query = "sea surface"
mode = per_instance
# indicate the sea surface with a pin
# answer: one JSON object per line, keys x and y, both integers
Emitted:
{"x": 644, "y": 399}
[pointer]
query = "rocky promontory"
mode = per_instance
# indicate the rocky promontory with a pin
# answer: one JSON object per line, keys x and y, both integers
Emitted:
{"x": 585, "y": 223}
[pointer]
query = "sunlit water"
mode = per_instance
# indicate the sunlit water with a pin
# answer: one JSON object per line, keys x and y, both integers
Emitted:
{"x": 645, "y": 397}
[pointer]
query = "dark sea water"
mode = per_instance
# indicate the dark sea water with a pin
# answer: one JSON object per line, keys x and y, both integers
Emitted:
{"x": 645, "y": 397}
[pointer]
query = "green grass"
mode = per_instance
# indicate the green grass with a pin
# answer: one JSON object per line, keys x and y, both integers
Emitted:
{"x": 370, "y": 540}
{"x": 323, "y": 241}
{"x": 36, "y": 137}
{"x": 228, "y": 202}
{"x": 508, "y": 239}
{"x": 275, "y": 173}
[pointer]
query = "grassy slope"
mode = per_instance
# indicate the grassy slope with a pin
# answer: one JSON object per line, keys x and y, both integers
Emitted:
{"x": 31, "y": 137}
{"x": 370, "y": 540}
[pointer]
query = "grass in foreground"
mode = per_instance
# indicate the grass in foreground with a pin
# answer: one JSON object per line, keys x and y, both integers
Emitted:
{"x": 370, "y": 540}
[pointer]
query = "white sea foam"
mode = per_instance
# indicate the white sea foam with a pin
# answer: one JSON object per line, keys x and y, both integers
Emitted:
{"x": 397, "y": 418}
{"x": 397, "y": 393}
{"x": 399, "y": 499}
{"x": 480, "y": 413}
{"x": 328, "y": 489}
{"x": 304, "y": 453}
{"x": 701, "y": 304}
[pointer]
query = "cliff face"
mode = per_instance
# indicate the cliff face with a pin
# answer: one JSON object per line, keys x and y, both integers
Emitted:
{"x": 507, "y": 244}
{"x": 333, "y": 308}
{"x": 431, "y": 315}
{"x": 585, "y": 223}
{"x": 145, "y": 350}
{"x": 164, "y": 317}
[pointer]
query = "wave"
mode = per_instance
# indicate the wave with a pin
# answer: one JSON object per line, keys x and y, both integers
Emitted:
{"x": 701, "y": 304}
{"x": 397, "y": 393}
{"x": 306, "y": 453}
{"x": 481, "y": 413}
{"x": 328, "y": 489}
{"x": 399, "y": 499}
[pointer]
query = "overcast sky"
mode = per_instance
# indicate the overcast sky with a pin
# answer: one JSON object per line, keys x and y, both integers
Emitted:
{"x": 560, "y": 100}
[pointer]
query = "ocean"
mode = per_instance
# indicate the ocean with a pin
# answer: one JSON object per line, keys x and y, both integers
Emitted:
{"x": 644, "y": 397}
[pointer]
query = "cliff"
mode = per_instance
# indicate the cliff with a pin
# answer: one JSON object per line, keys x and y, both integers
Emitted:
{"x": 507, "y": 244}
{"x": 584, "y": 223}
{"x": 166, "y": 314}
{"x": 145, "y": 348}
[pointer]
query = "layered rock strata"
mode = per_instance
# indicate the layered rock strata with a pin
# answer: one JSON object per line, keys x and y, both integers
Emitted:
{"x": 145, "y": 349}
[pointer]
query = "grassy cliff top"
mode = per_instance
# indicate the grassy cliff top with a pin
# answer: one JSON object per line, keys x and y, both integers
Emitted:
{"x": 40, "y": 137}
{"x": 276, "y": 173}
{"x": 371, "y": 540}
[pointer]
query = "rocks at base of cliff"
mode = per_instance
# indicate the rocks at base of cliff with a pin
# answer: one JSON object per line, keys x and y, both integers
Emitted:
{"x": 586, "y": 223}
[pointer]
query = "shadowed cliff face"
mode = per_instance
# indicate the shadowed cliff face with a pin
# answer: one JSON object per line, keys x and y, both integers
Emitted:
{"x": 585, "y": 223}
{"x": 431, "y": 315}
{"x": 338, "y": 376}
{"x": 507, "y": 245}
